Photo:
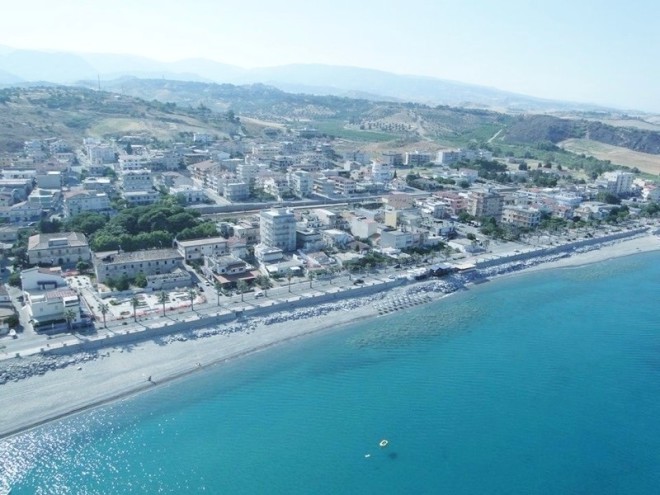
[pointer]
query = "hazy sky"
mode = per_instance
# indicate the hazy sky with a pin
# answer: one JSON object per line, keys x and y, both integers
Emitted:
{"x": 599, "y": 51}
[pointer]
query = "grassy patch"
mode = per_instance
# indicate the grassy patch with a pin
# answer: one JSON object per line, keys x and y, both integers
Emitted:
{"x": 617, "y": 155}
{"x": 337, "y": 129}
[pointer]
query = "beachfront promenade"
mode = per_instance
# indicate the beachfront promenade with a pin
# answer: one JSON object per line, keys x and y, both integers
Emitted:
{"x": 282, "y": 298}
{"x": 205, "y": 314}
{"x": 93, "y": 370}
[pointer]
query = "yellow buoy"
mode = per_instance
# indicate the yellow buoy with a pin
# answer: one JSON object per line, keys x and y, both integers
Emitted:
{"x": 383, "y": 443}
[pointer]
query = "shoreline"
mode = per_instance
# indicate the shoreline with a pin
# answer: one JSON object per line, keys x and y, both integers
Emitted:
{"x": 118, "y": 372}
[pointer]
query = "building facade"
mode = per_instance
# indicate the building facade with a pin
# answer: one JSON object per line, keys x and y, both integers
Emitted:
{"x": 278, "y": 229}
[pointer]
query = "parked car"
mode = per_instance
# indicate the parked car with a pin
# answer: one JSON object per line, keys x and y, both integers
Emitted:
{"x": 359, "y": 281}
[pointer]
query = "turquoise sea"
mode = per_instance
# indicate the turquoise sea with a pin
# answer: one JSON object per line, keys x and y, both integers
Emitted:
{"x": 544, "y": 383}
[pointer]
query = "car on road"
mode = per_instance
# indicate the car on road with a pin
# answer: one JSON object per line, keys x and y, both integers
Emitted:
{"x": 359, "y": 281}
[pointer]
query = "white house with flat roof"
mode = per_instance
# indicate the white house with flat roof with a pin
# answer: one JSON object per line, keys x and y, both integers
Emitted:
{"x": 197, "y": 249}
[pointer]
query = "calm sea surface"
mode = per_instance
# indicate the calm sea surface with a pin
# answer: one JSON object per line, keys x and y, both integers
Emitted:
{"x": 546, "y": 383}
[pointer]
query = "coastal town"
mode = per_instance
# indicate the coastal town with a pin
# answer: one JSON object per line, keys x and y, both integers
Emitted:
{"x": 217, "y": 224}
{"x": 110, "y": 243}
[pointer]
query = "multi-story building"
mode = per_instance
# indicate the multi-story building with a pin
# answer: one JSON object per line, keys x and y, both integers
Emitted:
{"x": 21, "y": 213}
{"x": 278, "y": 229}
{"x": 417, "y": 159}
{"x": 521, "y": 216}
{"x": 302, "y": 183}
{"x": 247, "y": 172}
{"x": 454, "y": 203}
{"x": 141, "y": 198}
{"x": 136, "y": 180}
{"x": 59, "y": 248}
{"x": 49, "y": 180}
{"x": 189, "y": 194}
{"x": 381, "y": 172}
{"x": 393, "y": 159}
{"x": 484, "y": 203}
{"x": 197, "y": 249}
{"x": 100, "y": 184}
{"x": 396, "y": 239}
{"x": 101, "y": 154}
{"x": 359, "y": 156}
{"x": 133, "y": 162}
{"x": 46, "y": 199}
{"x": 202, "y": 171}
{"x": 248, "y": 231}
{"x": 149, "y": 262}
{"x": 77, "y": 202}
{"x": 236, "y": 191}
{"x": 618, "y": 182}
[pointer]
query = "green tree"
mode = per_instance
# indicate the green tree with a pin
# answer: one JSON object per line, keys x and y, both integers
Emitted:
{"x": 265, "y": 283}
{"x": 15, "y": 279}
{"x": 12, "y": 321}
{"x": 83, "y": 266}
{"x": 69, "y": 316}
{"x": 123, "y": 283}
{"x": 140, "y": 280}
{"x": 192, "y": 293}
{"x": 135, "y": 302}
{"x": 242, "y": 287}
{"x": 163, "y": 298}
{"x": 49, "y": 226}
{"x": 104, "y": 308}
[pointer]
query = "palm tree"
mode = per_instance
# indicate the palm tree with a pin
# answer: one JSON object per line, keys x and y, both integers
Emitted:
{"x": 163, "y": 298}
{"x": 103, "y": 308}
{"x": 265, "y": 283}
{"x": 69, "y": 316}
{"x": 311, "y": 278}
{"x": 289, "y": 276}
{"x": 242, "y": 287}
{"x": 192, "y": 294}
{"x": 218, "y": 290}
{"x": 135, "y": 302}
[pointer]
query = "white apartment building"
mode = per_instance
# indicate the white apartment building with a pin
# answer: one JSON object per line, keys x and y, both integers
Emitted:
{"x": 278, "y": 229}
{"x": 381, "y": 172}
{"x": 77, "y": 202}
{"x": 191, "y": 195}
{"x": 141, "y": 198}
{"x": 133, "y": 162}
{"x": 100, "y": 154}
{"x": 618, "y": 182}
{"x": 136, "y": 180}
{"x": 302, "y": 183}
{"x": 236, "y": 191}
{"x": 197, "y": 249}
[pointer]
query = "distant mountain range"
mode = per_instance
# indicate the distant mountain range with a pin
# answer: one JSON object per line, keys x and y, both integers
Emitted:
{"x": 29, "y": 66}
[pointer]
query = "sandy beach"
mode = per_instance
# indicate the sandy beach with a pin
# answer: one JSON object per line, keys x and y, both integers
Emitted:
{"x": 116, "y": 372}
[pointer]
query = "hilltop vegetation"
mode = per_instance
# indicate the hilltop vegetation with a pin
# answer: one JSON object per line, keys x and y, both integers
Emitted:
{"x": 166, "y": 110}
{"x": 72, "y": 113}
{"x": 539, "y": 128}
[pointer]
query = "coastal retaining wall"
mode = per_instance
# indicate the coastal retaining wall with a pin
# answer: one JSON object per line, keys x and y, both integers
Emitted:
{"x": 129, "y": 336}
{"x": 563, "y": 248}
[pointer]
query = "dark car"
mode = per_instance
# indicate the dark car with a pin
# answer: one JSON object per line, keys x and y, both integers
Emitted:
{"x": 359, "y": 281}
